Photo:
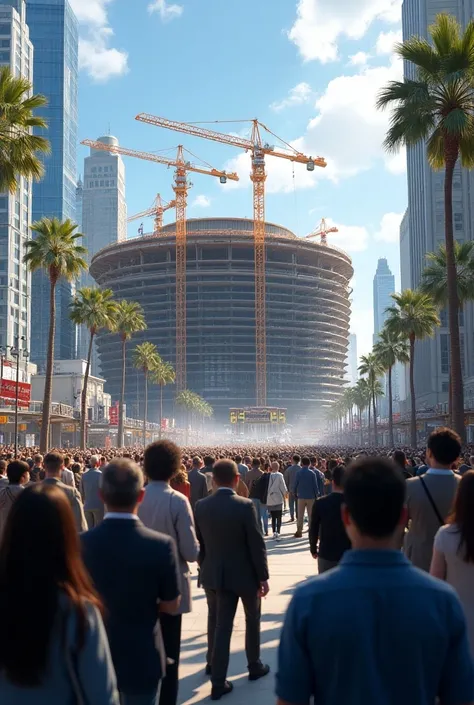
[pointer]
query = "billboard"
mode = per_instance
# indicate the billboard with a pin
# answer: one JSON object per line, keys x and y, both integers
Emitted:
{"x": 114, "y": 414}
{"x": 8, "y": 392}
{"x": 257, "y": 415}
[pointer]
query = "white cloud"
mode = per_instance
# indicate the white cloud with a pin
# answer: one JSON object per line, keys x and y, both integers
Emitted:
{"x": 386, "y": 41}
{"x": 359, "y": 59}
{"x": 296, "y": 96}
{"x": 320, "y": 24}
{"x": 95, "y": 55}
{"x": 389, "y": 228}
{"x": 351, "y": 238}
{"x": 166, "y": 11}
{"x": 201, "y": 201}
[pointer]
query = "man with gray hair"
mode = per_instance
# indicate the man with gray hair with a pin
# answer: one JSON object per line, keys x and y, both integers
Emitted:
{"x": 135, "y": 572}
{"x": 90, "y": 490}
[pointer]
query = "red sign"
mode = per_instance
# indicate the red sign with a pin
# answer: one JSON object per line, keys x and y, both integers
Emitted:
{"x": 114, "y": 414}
{"x": 8, "y": 391}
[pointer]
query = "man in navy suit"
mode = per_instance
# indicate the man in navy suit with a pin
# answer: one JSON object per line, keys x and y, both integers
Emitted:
{"x": 135, "y": 572}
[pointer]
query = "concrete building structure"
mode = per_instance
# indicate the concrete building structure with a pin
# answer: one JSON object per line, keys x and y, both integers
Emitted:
{"x": 308, "y": 313}
{"x": 16, "y": 51}
{"x": 383, "y": 288}
{"x": 352, "y": 373}
{"x": 424, "y": 230}
{"x": 54, "y": 34}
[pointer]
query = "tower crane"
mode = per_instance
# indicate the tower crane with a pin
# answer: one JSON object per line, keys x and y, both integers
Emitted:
{"x": 181, "y": 186}
{"x": 323, "y": 231}
{"x": 157, "y": 209}
{"x": 258, "y": 150}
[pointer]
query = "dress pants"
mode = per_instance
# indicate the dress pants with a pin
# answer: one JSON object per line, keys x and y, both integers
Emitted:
{"x": 325, "y": 565}
{"x": 292, "y": 506}
{"x": 140, "y": 698}
{"x": 222, "y": 606}
{"x": 171, "y": 633}
{"x": 302, "y": 505}
{"x": 94, "y": 517}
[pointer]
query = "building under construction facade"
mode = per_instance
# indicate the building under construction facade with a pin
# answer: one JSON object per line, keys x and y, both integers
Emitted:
{"x": 307, "y": 316}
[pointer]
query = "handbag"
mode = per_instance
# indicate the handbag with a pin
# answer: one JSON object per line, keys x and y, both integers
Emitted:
{"x": 432, "y": 502}
{"x": 71, "y": 655}
{"x": 274, "y": 496}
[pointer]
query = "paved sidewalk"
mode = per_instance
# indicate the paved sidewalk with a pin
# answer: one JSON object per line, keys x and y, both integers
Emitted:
{"x": 290, "y": 563}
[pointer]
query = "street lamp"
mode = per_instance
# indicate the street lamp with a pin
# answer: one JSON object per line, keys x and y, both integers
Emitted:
{"x": 16, "y": 352}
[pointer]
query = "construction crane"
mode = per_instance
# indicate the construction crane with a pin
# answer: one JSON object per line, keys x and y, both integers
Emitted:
{"x": 323, "y": 231}
{"x": 258, "y": 150}
{"x": 181, "y": 186}
{"x": 157, "y": 209}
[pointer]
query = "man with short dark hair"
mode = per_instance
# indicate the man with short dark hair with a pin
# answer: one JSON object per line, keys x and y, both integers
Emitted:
{"x": 198, "y": 482}
{"x": 233, "y": 564}
{"x": 3, "y": 474}
{"x": 91, "y": 496}
{"x": 306, "y": 491}
{"x": 18, "y": 475}
{"x": 327, "y": 526}
{"x": 53, "y": 464}
{"x": 290, "y": 478}
{"x": 430, "y": 496}
{"x": 375, "y": 629}
{"x": 135, "y": 572}
{"x": 242, "y": 468}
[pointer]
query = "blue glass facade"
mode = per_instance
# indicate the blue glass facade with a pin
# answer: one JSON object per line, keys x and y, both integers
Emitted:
{"x": 54, "y": 34}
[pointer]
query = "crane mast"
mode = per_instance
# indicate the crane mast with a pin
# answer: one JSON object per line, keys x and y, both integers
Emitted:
{"x": 258, "y": 151}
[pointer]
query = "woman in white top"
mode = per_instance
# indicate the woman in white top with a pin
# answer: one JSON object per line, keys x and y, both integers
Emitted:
{"x": 453, "y": 554}
{"x": 275, "y": 497}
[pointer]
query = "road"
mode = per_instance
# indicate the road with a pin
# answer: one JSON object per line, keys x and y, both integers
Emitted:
{"x": 290, "y": 563}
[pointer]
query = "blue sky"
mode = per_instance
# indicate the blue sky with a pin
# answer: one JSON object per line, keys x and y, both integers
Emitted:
{"x": 310, "y": 70}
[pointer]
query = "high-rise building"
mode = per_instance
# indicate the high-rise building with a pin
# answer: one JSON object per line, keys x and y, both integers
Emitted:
{"x": 54, "y": 34}
{"x": 384, "y": 287}
{"x": 16, "y": 51}
{"x": 79, "y": 198}
{"x": 352, "y": 374}
{"x": 425, "y": 227}
{"x": 104, "y": 213}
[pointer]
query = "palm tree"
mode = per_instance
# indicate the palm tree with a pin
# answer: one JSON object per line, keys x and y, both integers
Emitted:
{"x": 163, "y": 374}
{"x": 19, "y": 148}
{"x": 95, "y": 309}
{"x": 390, "y": 349}
{"x": 129, "y": 319}
{"x": 146, "y": 359}
{"x": 413, "y": 317}
{"x": 434, "y": 281}
{"x": 361, "y": 400}
{"x": 192, "y": 403}
{"x": 437, "y": 107}
{"x": 371, "y": 367}
{"x": 55, "y": 250}
{"x": 366, "y": 394}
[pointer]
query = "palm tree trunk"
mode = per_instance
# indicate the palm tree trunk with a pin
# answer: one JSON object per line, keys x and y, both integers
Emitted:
{"x": 368, "y": 423}
{"x": 374, "y": 404}
{"x": 161, "y": 407}
{"x": 360, "y": 427}
{"x": 48, "y": 381}
{"x": 412, "y": 392}
{"x": 145, "y": 411}
{"x": 390, "y": 407}
{"x": 451, "y": 155}
{"x": 120, "y": 433}
{"x": 84, "y": 394}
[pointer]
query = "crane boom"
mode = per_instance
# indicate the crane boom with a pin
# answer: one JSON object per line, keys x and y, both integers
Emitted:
{"x": 258, "y": 176}
{"x": 181, "y": 186}
{"x": 323, "y": 231}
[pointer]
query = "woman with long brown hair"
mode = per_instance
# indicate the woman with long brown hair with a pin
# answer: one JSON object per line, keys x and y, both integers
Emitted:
{"x": 453, "y": 554}
{"x": 53, "y": 645}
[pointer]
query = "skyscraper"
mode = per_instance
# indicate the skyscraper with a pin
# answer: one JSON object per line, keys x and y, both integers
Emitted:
{"x": 352, "y": 374}
{"x": 54, "y": 34}
{"x": 384, "y": 287}
{"x": 104, "y": 213}
{"x": 16, "y": 51}
{"x": 425, "y": 226}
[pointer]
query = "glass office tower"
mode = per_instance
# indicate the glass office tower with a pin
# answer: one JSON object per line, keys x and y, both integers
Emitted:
{"x": 54, "y": 34}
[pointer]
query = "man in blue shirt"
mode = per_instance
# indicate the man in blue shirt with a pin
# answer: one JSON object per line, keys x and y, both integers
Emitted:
{"x": 375, "y": 630}
{"x": 306, "y": 491}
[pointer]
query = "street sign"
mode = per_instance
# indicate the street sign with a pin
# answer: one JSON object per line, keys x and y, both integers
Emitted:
{"x": 3, "y": 419}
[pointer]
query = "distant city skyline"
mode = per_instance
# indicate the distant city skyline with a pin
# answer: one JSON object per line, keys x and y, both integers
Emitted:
{"x": 383, "y": 288}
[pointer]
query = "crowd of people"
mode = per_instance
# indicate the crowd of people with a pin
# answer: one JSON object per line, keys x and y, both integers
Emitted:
{"x": 96, "y": 548}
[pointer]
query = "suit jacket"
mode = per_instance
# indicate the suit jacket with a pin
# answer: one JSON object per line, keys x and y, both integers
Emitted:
{"x": 423, "y": 520}
{"x": 133, "y": 568}
{"x": 233, "y": 556}
{"x": 74, "y": 499}
{"x": 198, "y": 483}
{"x": 91, "y": 482}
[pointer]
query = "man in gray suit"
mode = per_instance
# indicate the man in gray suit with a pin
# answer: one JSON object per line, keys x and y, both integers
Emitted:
{"x": 233, "y": 562}
{"x": 198, "y": 482}
{"x": 430, "y": 497}
{"x": 90, "y": 489}
{"x": 53, "y": 465}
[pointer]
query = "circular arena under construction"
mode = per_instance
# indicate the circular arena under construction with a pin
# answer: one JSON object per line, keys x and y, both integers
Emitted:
{"x": 307, "y": 316}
